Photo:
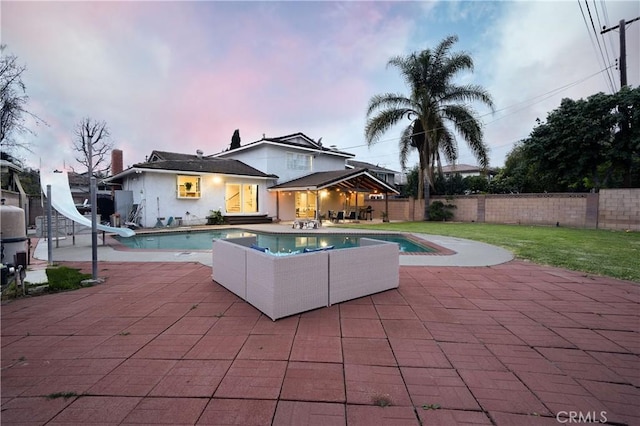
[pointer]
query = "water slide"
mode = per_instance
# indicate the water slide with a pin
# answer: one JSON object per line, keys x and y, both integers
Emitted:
{"x": 61, "y": 201}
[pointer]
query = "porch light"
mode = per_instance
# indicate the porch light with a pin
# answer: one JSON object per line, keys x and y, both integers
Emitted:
{"x": 217, "y": 180}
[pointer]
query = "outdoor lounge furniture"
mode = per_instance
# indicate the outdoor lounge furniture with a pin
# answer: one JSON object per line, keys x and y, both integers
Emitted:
{"x": 306, "y": 224}
{"x": 358, "y": 271}
{"x": 281, "y": 286}
{"x": 339, "y": 217}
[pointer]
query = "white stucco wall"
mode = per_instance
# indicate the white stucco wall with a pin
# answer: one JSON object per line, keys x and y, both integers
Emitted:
{"x": 157, "y": 194}
{"x": 272, "y": 159}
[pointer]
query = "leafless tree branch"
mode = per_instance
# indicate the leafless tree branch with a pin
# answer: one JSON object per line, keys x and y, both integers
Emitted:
{"x": 93, "y": 144}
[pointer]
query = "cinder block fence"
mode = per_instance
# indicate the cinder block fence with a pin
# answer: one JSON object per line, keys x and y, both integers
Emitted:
{"x": 617, "y": 209}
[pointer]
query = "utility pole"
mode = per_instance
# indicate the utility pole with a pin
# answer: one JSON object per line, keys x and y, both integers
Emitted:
{"x": 623, "y": 48}
{"x": 624, "y": 123}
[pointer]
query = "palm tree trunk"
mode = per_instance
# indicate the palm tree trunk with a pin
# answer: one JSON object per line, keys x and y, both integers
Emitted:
{"x": 426, "y": 180}
{"x": 426, "y": 196}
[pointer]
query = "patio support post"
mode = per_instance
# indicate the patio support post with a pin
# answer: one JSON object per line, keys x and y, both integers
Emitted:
{"x": 386, "y": 204}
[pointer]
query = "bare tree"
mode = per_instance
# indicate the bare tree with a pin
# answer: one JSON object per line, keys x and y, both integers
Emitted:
{"x": 92, "y": 142}
{"x": 13, "y": 95}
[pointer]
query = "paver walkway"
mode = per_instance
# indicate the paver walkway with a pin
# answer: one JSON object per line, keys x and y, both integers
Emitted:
{"x": 158, "y": 343}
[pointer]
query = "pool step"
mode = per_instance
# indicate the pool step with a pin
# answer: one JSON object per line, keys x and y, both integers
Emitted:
{"x": 247, "y": 220}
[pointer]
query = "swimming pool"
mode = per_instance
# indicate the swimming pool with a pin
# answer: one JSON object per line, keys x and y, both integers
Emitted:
{"x": 201, "y": 240}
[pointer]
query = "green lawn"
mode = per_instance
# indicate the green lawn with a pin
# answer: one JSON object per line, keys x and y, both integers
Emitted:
{"x": 611, "y": 253}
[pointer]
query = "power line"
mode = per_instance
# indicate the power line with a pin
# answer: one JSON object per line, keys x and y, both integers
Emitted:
{"x": 541, "y": 97}
{"x": 606, "y": 21}
{"x": 593, "y": 44}
{"x": 595, "y": 7}
{"x": 527, "y": 103}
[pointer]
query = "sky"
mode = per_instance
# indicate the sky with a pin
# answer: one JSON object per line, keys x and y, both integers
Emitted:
{"x": 182, "y": 76}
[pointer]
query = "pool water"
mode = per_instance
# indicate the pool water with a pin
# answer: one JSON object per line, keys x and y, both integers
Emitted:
{"x": 201, "y": 240}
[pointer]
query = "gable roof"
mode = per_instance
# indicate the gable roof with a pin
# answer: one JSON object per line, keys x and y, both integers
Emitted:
{"x": 349, "y": 179}
{"x": 372, "y": 167}
{"x": 297, "y": 140}
{"x": 175, "y": 162}
{"x": 223, "y": 166}
{"x": 166, "y": 155}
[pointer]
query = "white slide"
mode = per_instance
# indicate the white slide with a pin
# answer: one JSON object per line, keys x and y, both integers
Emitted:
{"x": 61, "y": 201}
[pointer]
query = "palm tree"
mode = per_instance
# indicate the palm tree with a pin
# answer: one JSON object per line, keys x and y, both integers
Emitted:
{"x": 434, "y": 103}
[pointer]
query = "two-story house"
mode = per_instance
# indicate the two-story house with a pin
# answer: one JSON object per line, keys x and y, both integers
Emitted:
{"x": 281, "y": 178}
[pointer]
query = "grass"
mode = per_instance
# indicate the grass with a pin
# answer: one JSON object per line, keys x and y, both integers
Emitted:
{"x": 594, "y": 251}
{"x": 65, "y": 278}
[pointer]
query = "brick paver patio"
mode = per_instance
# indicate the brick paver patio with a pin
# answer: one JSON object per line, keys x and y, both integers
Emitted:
{"x": 157, "y": 343}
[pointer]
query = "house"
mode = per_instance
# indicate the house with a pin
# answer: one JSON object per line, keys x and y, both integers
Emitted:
{"x": 284, "y": 178}
{"x": 466, "y": 170}
{"x": 188, "y": 187}
{"x": 312, "y": 179}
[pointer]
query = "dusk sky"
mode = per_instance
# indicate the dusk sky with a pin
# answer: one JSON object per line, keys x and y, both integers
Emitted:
{"x": 182, "y": 76}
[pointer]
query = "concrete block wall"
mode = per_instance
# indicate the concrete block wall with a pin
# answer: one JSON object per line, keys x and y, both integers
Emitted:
{"x": 619, "y": 209}
{"x": 399, "y": 209}
{"x": 537, "y": 209}
{"x": 466, "y": 208}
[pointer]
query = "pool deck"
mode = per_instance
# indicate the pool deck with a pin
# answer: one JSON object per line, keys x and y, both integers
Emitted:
{"x": 465, "y": 252}
{"x": 513, "y": 343}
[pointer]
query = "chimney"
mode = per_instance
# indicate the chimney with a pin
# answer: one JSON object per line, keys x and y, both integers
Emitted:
{"x": 116, "y": 161}
{"x": 199, "y": 153}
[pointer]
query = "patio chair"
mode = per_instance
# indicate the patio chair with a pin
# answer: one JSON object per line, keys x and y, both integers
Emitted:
{"x": 339, "y": 217}
{"x": 352, "y": 215}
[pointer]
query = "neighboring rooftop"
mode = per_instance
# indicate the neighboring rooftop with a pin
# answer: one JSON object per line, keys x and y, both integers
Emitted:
{"x": 371, "y": 167}
{"x": 465, "y": 168}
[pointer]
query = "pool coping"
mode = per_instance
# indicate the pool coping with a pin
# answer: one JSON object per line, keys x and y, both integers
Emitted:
{"x": 463, "y": 252}
{"x": 436, "y": 250}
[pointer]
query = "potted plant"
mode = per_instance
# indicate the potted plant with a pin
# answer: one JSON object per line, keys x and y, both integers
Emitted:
{"x": 385, "y": 217}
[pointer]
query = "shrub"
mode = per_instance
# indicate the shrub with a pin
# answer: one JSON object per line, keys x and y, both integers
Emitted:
{"x": 215, "y": 218}
{"x": 439, "y": 211}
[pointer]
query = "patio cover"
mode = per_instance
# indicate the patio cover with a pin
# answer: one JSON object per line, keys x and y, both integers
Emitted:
{"x": 358, "y": 179}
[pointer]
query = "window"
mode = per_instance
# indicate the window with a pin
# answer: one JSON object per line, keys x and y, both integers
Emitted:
{"x": 305, "y": 203}
{"x": 241, "y": 198}
{"x": 188, "y": 186}
{"x": 298, "y": 161}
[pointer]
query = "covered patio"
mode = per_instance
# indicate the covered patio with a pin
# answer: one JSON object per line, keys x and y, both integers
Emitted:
{"x": 323, "y": 195}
